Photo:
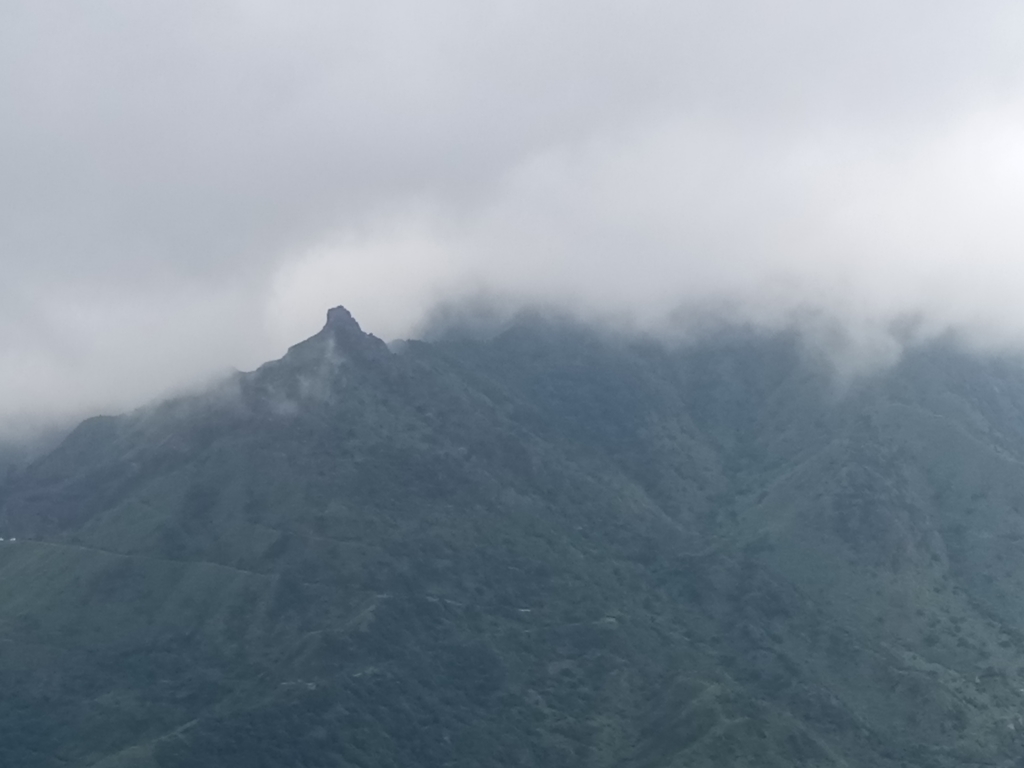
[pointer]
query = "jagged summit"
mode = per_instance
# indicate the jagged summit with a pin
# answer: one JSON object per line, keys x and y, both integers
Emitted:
{"x": 340, "y": 320}
{"x": 315, "y": 370}
{"x": 349, "y": 338}
{"x": 340, "y": 339}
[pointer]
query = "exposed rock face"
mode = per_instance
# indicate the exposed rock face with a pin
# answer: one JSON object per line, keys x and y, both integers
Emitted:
{"x": 349, "y": 337}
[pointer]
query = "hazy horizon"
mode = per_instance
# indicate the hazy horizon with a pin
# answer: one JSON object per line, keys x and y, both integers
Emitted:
{"x": 188, "y": 187}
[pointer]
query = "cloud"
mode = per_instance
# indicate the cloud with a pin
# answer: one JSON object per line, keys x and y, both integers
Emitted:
{"x": 187, "y": 186}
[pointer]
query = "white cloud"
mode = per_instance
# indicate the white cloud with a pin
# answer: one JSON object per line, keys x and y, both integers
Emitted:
{"x": 237, "y": 167}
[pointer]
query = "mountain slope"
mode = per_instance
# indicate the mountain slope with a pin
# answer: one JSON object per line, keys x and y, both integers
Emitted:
{"x": 547, "y": 548}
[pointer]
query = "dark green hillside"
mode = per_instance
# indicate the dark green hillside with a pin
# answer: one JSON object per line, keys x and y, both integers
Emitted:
{"x": 547, "y": 548}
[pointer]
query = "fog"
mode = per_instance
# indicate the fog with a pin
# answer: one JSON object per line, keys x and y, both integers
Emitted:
{"x": 186, "y": 187}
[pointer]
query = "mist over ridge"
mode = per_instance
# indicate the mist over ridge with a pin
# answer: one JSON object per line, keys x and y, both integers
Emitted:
{"x": 846, "y": 352}
{"x": 187, "y": 187}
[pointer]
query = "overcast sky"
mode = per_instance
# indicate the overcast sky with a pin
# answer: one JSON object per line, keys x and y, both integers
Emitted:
{"x": 187, "y": 186}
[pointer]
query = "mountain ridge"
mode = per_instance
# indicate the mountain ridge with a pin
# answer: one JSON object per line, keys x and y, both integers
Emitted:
{"x": 537, "y": 548}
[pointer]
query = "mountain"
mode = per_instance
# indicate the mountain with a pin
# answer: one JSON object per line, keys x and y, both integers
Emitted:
{"x": 546, "y": 547}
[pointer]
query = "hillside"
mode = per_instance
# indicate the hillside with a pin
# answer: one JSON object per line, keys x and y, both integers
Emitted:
{"x": 543, "y": 548}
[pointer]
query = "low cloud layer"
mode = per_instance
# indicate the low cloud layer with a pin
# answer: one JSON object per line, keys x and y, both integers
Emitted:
{"x": 188, "y": 186}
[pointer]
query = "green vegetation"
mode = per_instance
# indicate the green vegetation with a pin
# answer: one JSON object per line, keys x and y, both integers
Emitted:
{"x": 548, "y": 548}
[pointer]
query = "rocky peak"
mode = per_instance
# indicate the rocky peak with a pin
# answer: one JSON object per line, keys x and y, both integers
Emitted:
{"x": 348, "y": 337}
{"x": 340, "y": 320}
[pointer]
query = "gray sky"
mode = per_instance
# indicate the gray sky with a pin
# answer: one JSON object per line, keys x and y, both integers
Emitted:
{"x": 187, "y": 186}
